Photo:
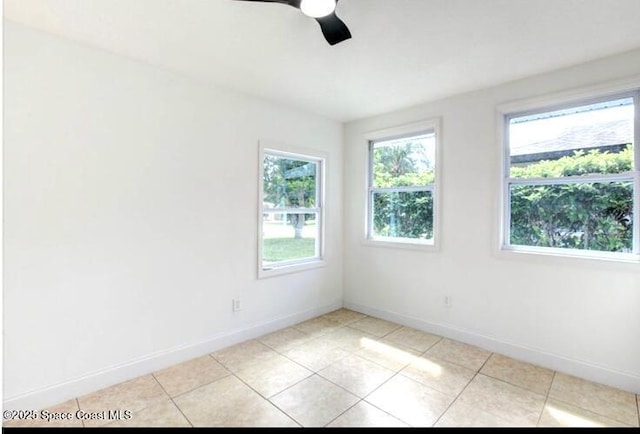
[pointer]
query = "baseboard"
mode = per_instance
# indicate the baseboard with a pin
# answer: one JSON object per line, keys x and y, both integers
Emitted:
{"x": 61, "y": 392}
{"x": 578, "y": 368}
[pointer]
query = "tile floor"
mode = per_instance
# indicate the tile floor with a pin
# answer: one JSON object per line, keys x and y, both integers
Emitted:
{"x": 346, "y": 369}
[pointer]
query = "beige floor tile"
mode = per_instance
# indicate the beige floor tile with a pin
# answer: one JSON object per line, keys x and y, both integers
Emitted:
{"x": 357, "y": 375}
{"x": 353, "y": 356}
{"x": 314, "y": 402}
{"x": 468, "y": 416}
{"x": 187, "y": 376}
{"x": 236, "y": 356}
{"x": 459, "y": 353}
{"x": 410, "y": 401}
{"x": 347, "y": 338}
{"x": 344, "y": 316}
{"x": 366, "y": 415}
{"x": 519, "y": 373}
{"x": 50, "y": 417}
{"x": 512, "y": 404}
{"x": 271, "y": 376}
{"x": 412, "y": 338}
{"x": 388, "y": 354}
{"x": 230, "y": 403}
{"x": 439, "y": 374}
{"x": 375, "y": 326}
{"x": 604, "y": 400}
{"x": 163, "y": 415}
{"x": 133, "y": 395}
{"x": 317, "y": 326}
{"x": 285, "y": 339}
{"x": 561, "y": 414}
{"x": 315, "y": 355}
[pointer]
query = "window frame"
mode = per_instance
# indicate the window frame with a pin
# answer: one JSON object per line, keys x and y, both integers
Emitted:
{"x": 508, "y": 112}
{"x": 408, "y": 130}
{"x": 298, "y": 154}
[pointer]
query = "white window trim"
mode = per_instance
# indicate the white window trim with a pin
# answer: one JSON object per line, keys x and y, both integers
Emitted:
{"x": 432, "y": 245}
{"x": 287, "y": 151}
{"x": 621, "y": 89}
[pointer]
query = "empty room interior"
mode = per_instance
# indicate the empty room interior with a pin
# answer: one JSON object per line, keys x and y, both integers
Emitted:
{"x": 303, "y": 213}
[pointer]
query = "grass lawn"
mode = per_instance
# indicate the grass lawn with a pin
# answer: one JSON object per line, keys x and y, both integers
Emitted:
{"x": 282, "y": 249}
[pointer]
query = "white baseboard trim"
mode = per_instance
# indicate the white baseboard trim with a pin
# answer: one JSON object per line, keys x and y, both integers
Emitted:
{"x": 578, "y": 368}
{"x": 61, "y": 392}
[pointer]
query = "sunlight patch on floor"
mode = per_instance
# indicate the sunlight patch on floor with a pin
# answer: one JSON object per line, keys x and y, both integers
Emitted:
{"x": 566, "y": 418}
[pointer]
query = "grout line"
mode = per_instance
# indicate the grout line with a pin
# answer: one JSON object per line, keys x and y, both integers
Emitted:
{"x": 377, "y": 388}
{"x": 386, "y": 412}
{"x": 458, "y": 395}
{"x": 181, "y": 394}
{"x": 78, "y": 406}
{"x": 171, "y": 399}
{"x": 363, "y": 398}
{"x": 546, "y": 399}
{"x": 590, "y": 410}
{"x": 546, "y": 393}
{"x": 277, "y": 393}
{"x": 485, "y": 362}
{"x": 396, "y": 372}
{"x": 274, "y": 405}
{"x": 356, "y": 403}
{"x": 282, "y": 410}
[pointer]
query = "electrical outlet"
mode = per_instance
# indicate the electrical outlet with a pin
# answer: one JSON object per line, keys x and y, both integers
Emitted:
{"x": 236, "y": 305}
{"x": 448, "y": 301}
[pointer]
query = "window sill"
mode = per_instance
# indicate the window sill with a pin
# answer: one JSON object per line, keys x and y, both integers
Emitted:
{"x": 279, "y": 270}
{"x": 401, "y": 243}
{"x": 551, "y": 255}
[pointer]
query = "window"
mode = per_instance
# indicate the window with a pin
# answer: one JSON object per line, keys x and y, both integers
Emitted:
{"x": 402, "y": 185}
{"x": 571, "y": 179}
{"x": 291, "y": 203}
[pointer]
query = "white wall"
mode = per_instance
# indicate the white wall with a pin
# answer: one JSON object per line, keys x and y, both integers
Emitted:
{"x": 131, "y": 208}
{"x": 122, "y": 255}
{"x": 574, "y": 315}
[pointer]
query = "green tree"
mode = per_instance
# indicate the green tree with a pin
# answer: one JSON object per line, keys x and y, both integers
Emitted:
{"x": 406, "y": 214}
{"x": 588, "y": 216}
{"x": 290, "y": 183}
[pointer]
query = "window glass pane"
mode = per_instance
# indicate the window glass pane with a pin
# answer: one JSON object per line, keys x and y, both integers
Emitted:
{"x": 409, "y": 161}
{"x": 587, "y": 216}
{"x": 289, "y": 236}
{"x": 590, "y": 139}
{"x": 289, "y": 183}
{"x": 403, "y": 214}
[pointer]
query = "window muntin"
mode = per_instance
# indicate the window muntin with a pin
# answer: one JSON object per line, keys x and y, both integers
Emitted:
{"x": 401, "y": 188}
{"x": 572, "y": 181}
{"x": 291, "y": 214}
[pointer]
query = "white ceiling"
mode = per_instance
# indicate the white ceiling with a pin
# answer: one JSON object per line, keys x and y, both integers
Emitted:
{"x": 403, "y": 52}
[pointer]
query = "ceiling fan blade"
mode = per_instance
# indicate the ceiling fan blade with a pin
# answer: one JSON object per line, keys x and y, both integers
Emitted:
{"x": 294, "y": 3}
{"x": 333, "y": 29}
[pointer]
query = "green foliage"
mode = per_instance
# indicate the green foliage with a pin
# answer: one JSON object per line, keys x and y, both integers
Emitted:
{"x": 401, "y": 166}
{"x": 402, "y": 214}
{"x": 290, "y": 183}
{"x": 588, "y": 216}
{"x": 580, "y": 163}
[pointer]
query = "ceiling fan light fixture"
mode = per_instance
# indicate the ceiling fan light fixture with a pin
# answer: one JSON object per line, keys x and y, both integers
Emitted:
{"x": 317, "y": 8}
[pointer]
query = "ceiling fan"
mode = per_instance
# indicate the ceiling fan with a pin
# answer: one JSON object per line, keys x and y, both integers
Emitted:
{"x": 333, "y": 29}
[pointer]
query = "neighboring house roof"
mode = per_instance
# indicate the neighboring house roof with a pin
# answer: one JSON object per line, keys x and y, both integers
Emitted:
{"x": 612, "y": 135}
